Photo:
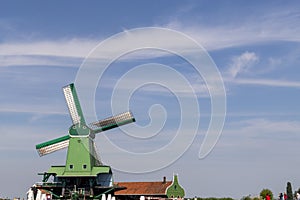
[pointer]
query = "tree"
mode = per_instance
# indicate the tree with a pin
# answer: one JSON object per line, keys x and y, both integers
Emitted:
{"x": 246, "y": 197}
{"x": 289, "y": 191}
{"x": 266, "y": 192}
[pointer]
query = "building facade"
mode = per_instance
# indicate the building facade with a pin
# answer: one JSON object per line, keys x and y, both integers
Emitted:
{"x": 150, "y": 190}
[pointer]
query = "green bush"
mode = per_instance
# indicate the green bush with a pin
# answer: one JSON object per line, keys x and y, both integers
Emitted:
{"x": 264, "y": 193}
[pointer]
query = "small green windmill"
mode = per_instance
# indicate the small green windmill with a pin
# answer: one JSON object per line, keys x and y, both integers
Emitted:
{"x": 83, "y": 174}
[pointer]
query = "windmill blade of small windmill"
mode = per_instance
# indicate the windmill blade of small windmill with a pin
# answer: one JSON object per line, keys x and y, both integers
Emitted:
{"x": 53, "y": 145}
{"x": 73, "y": 104}
{"x": 112, "y": 122}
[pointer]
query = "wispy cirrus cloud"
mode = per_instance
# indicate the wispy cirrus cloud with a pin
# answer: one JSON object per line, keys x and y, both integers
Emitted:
{"x": 72, "y": 47}
{"x": 30, "y": 109}
{"x": 282, "y": 26}
{"x": 72, "y": 51}
{"x": 36, "y": 60}
{"x": 240, "y": 64}
{"x": 278, "y": 26}
{"x": 267, "y": 82}
{"x": 53, "y": 53}
{"x": 254, "y": 134}
{"x": 264, "y": 128}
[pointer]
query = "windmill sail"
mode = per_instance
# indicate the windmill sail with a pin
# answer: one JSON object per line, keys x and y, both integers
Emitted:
{"x": 53, "y": 145}
{"x": 73, "y": 104}
{"x": 112, "y": 122}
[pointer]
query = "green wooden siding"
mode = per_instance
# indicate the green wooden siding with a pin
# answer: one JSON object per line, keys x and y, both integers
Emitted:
{"x": 175, "y": 190}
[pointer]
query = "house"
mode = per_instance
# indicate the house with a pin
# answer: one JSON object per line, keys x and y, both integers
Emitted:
{"x": 150, "y": 190}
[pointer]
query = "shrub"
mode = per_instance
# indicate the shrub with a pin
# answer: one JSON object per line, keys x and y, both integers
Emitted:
{"x": 264, "y": 193}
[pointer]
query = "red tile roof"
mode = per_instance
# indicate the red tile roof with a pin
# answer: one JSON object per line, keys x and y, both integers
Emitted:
{"x": 143, "y": 188}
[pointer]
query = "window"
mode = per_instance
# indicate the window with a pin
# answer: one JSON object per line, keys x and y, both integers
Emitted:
{"x": 84, "y": 166}
{"x": 71, "y": 166}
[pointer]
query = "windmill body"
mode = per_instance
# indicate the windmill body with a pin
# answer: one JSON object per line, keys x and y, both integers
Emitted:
{"x": 83, "y": 175}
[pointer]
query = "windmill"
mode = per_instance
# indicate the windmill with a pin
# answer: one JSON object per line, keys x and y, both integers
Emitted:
{"x": 83, "y": 175}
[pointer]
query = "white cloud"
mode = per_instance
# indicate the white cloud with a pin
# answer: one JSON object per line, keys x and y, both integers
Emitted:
{"x": 241, "y": 64}
{"x": 252, "y": 134}
{"x": 196, "y": 87}
{"x": 256, "y": 31}
{"x": 267, "y": 82}
{"x": 61, "y": 48}
{"x": 24, "y": 137}
{"x": 57, "y": 53}
{"x": 258, "y": 126}
{"x": 212, "y": 38}
{"x": 274, "y": 61}
{"x": 36, "y": 52}
{"x": 279, "y": 26}
{"x": 70, "y": 52}
{"x": 29, "y": 60}
{"x": 33, "y": 109}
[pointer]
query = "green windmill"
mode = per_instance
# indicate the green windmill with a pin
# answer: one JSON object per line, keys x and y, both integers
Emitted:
{"x": 83, "y": 175}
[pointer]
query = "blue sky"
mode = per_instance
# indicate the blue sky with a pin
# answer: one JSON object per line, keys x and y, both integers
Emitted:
{"x": 254, "y": 44}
